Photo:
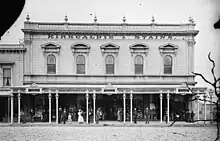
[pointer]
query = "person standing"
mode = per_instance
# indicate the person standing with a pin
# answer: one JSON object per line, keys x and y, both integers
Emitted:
{"x": 64, "y": 116}
{"x": 90, "y": 115}
{"x": 59, "y": 115}
{"x": 118, "y": 114}
{"x": 192, "y": 116}
{"x": 97, "y": 115}
{"x": 80, "y": 117}
{"x": 135, "y": 115}
{"x": 32, "y": 115}
{"x": 147, "y": 114}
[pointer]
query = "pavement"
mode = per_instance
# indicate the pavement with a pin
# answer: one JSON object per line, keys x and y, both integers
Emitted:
{"x": 113, "y": 124}
{"x": 107, "y": 131}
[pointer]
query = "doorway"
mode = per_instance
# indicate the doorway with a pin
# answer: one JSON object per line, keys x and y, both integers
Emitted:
{"x": 109, "y": 104}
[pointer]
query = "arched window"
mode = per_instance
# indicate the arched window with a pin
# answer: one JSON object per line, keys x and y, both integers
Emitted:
{"x": 80, "y": 64}
{"x": 138, "y": 64}
{"x": 51, "y": 64}
{"x": 109, "y": 62}
{"x": 168, "y": 64}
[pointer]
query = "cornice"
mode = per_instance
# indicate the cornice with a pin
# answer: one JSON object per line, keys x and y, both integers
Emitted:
{"x": 115, "y": 32}
{"x": 12, "y": 50}
{"x": 110, "y": 24}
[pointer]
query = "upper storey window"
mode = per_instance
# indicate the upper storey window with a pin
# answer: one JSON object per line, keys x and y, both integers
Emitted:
{"x": 51, "y": 53}
{"x": 139, "y": 52}
{"x": 80, "y": 55}
{"x": 109, "y": 62}
{"x": 139, "y": 64}
{"x": 80, "y": 64}
{"x": 51, "y": 64}
{"x": 168, "y": 63}
{"x": 168, "y": 52}
{"x": 110, "y": 53}
{"x": 6, "y": 76}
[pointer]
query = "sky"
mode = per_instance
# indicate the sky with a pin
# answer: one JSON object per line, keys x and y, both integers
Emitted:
{"x": 204, "y": 12}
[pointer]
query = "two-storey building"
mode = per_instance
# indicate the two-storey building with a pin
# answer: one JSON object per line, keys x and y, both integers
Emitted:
{"x": 112, "y": 66}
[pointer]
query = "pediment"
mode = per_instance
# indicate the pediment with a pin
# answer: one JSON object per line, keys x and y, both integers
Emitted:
{"x": 168, "y": 48}
{"x": 51, "y": 47}
{"x": 80, "y": 48}
{"x": 139, "y": 48}
{"x": 109, "y": 48}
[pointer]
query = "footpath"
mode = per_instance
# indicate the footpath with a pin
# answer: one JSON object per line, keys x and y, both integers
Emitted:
{"x": 110, "y": 124}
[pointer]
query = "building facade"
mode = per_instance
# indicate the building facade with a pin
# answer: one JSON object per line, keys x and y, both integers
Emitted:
{"x": 112, "y": 66}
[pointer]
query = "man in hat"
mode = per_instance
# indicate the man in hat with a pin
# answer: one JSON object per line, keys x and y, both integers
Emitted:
{"x": 147, "y": 116}
{"x": 135, "y": 115}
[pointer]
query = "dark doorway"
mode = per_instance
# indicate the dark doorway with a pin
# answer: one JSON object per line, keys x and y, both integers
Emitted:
{"x": 4, "y": 109}
{"x": 110, "y": 104}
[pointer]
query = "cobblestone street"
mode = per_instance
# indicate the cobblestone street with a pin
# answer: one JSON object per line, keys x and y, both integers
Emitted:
{"x": 70, "y": 133}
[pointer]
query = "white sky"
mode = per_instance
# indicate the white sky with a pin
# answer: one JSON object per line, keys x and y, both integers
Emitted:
{"x": 204, "y": 12}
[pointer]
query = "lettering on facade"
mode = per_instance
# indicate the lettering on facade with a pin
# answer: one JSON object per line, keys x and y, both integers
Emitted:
{"x": 104, "y": 37}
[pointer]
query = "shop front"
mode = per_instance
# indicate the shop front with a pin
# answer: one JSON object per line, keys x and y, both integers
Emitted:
{"x": 116, "y": 103}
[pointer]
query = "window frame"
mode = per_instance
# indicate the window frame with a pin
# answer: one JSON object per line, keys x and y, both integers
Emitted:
{"x": 54, "y": 65}
{"x": 169, "y": 66}
{"x": 3, "y": 80}
{"x": 136, "y": 65}
{"x": 83, "y": 64}
{"x": 112, "y": 66}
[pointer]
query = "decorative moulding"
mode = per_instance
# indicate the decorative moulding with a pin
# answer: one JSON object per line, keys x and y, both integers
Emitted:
{"x": 139, "y": 48}
{"x": 109, "y": 48}
{"x": 51, "y": 48}
{"x": 168, "y": 49}
{"x": 80, "y": 48}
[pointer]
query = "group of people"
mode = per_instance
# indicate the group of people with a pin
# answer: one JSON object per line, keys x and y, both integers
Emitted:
{"x": 67, "y": 116}
{"x": 146, "y": 115}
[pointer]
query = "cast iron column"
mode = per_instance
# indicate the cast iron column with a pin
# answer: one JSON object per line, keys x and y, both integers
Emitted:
{"x": 124, "y": 99}
{"x": 131, "y": 97}
{"x": 12, "y": 107}
{"x": 205, "y": 96}
{"x": 94, "y": 96}
{"x": 19, "y": 107}
{"x": 49, "y": 96}
{"x": 57, "y": 106}
{"x": 168, "y": 107}
{"x": 197, "y": 104}
{"x": 87, "y": 106}
{"x": 161, "y": 114}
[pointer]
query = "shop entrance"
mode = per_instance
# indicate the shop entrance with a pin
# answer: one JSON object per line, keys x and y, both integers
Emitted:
{"x": 110, "y": 104}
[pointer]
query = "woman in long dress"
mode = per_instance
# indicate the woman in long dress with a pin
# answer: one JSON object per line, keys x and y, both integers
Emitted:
{"x": 80, "y": 117}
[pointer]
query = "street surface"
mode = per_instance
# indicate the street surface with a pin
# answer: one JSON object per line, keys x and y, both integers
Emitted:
{"x": 106, "y": 133}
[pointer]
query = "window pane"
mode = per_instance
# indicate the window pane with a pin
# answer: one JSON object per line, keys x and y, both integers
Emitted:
{"x": 51, "y": 59}
{"x": 109, "y": 59}
{"x": 167, "y": 69}
{"x": 80, "y": 59}
{"x": 109, "y": 69}
{"x": 6, "y": 76}
{"x": 138, "y": 59}
{"x": 80, "y": 69}
{"x": 51, "y": 69}
{"x": 138, "y": 69}
{"x": 6, "y": 72}
{"x": 168, "y": 60}
{"x": 6, "y": 81}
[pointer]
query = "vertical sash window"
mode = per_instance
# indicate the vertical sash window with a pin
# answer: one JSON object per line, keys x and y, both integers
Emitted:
{"x": 139, "y": 64}
{"x": 109, "y": 64}
{"x": 51, "y": 64}
{"x": 80, "y": 64}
